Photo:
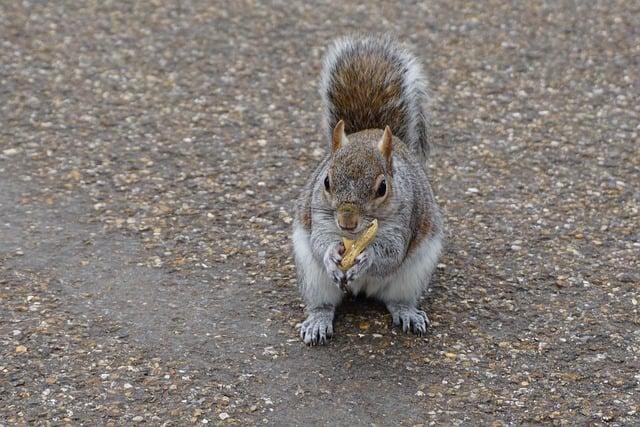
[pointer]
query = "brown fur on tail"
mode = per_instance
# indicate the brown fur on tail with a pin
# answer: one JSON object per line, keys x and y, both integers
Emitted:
{"x": 372, "y": 82}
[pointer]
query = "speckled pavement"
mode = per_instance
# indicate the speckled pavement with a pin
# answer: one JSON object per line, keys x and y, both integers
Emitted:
{"x": 149, "y": 156}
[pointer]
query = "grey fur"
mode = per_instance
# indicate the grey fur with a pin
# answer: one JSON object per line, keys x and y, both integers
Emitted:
{"x": 397, "y": 266}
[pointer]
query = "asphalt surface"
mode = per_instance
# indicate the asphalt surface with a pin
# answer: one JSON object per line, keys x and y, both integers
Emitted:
{"x": 149, "y": 156}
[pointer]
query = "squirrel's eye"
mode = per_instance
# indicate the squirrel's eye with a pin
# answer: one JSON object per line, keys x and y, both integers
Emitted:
{"x": 327, "y": 185}
{"x": 382, "y": 189}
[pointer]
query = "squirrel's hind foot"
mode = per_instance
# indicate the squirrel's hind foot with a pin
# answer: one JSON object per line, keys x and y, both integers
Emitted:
{"x": 318, "y": 327}
{"x": 409, "y": 318}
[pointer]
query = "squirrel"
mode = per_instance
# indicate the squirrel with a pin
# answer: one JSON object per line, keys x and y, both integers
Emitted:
{"x": 373, "y": 92}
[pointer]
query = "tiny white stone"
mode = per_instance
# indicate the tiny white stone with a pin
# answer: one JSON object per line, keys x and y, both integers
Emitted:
{"x": 223, "y": 416}
{"x": 419, "y": 393}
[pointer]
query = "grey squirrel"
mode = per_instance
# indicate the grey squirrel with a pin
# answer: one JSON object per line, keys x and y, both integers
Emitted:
{"x": 373, "y": 92}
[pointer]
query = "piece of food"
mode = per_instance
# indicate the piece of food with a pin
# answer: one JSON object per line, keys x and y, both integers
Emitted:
{"x": 354, "y": 248}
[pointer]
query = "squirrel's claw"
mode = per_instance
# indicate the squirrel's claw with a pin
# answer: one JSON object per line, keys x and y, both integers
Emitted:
{"x": 362, "y": 264}
{"x": 318, "y": 327}
{"x": 339, "y": 279}
{"x": 332, "y": 259}
{"x": 409, "y": 318}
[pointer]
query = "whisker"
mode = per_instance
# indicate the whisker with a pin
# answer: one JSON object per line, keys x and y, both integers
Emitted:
{"x": 317, "y": 208}
{"x": 322, "y": 211}
{"x": 321, "y": 207}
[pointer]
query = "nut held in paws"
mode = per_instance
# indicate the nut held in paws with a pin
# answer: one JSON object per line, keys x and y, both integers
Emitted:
{"x": 355, "y": 248}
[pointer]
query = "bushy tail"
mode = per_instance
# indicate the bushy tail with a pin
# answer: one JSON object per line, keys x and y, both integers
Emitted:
{"x": 371, "y": 82}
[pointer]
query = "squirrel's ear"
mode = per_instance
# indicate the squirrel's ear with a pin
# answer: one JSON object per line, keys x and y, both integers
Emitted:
{"x": 339, "y": 137}
{"x": 386, "y": 144}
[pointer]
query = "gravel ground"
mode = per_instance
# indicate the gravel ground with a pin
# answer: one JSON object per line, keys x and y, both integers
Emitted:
{"x": 149, "y": 156}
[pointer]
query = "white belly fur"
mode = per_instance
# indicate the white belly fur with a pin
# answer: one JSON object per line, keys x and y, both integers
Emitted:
{"x": 409, "y": 281}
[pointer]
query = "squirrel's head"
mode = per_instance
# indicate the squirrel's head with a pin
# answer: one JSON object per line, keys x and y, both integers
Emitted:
{"x": 358, "y": 182}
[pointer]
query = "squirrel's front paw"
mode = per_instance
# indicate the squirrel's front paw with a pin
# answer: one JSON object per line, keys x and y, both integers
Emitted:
{"x": 332, "y": 259}
{"x": 362, "y": 264}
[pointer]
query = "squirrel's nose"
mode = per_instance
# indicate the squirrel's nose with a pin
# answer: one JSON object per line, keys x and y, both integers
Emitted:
{"x": 348, "y": 217}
